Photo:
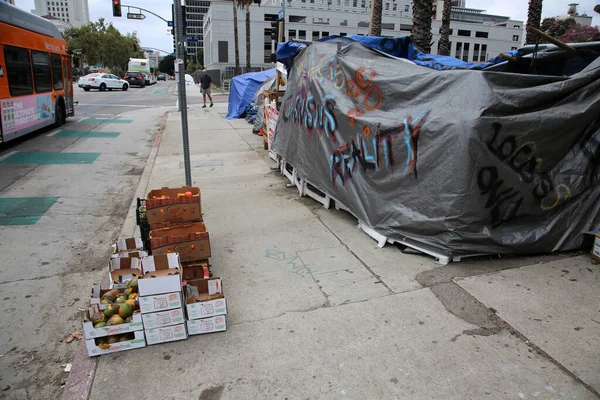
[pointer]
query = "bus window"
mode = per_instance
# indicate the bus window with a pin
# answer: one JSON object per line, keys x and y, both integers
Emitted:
{"x": 57, "y": 78}
{"x": 41, "y": 71}
{"x": 18, "y": 70}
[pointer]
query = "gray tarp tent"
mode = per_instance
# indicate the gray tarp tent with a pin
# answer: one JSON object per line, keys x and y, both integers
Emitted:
{"x": 462, "y": 161}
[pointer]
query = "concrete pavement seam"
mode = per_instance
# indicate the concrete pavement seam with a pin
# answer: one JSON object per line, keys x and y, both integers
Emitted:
{"x": 463, "y": 305}
{"x": 376, "y": 276}
{"x": 91, "y": 368}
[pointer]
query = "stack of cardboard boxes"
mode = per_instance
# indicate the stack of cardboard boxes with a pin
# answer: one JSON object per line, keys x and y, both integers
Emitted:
{"x": 161, "y": 301}
{"x": 175, "y": 218}
{"x": 174, "y": 292}
{"x": 102, "y": 337}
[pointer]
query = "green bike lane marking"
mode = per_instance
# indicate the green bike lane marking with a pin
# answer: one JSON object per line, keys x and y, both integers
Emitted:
{"x": 86, "y": 134}
{"x": 43, "y": 157}
{"x": 105, "y": 121}
{"x": 24, "y": 210}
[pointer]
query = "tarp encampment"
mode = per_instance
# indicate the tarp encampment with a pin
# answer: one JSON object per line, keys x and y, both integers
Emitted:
{"x": 463, "y": 161}
{"x": 242, "y": 91}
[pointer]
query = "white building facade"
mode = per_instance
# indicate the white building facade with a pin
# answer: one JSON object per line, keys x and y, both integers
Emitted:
{"x": 475, "y": 36}
{"x": 59, "y": 23}
{"x": 74, "y": 12}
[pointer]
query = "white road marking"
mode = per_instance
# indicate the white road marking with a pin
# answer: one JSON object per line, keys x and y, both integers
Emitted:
{"x": 8, "y": 155}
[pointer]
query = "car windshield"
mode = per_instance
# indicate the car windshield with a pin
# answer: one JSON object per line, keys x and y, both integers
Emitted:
{"x": 92, "y": 75}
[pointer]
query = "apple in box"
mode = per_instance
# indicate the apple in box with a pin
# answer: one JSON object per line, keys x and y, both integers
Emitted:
{"x": 160, "y": 274}
{"x": 205, "y": 298}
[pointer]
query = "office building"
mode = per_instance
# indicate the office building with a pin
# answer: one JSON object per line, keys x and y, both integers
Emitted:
{"x": 153, "y": 56}
{"x": 73, "y": 12}
{"x": 475, "y": 36}
{"x": 59, "y": 23}
{"x": 194, "y": 12}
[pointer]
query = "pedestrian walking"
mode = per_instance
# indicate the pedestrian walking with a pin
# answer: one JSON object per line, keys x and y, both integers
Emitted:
{"x": 205, "y": 84}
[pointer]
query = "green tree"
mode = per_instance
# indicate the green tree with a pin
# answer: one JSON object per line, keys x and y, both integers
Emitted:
{"x": 101, "y": 43}
{"x": 567, "y": 30}
{"x": 167, "y": 64}
{"x": 421, "y": 31}
{"x": 534, "y": 17}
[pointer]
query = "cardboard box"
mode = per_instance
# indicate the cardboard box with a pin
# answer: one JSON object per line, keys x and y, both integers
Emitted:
{"x": 90, "y": 332}
{"x": 163, "y": 318}
{"x": 161, "y": 274}
{"x": 166, "y": 334}
{"x": 191, "y": 241}
{"x": 173, "y": 208}
{"x": 207, "y": 325}
{"x": 122, "y": 269}
{"x": 195, "y": 270}
{"x": 128, "y": 244}
{"x": 160, "y": 302}
{"x": 130, "y": 254}
{"x": 205, "y": 298}
{"x": 596, "y": 248}
{"x": 138, "y": 342}
{"x": 169, "y": 225}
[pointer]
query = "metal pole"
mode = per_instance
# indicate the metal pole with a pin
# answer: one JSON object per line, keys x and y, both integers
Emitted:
{"x": 179, "y": 35}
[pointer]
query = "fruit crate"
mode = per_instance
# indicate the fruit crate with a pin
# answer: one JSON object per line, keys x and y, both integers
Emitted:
{"x": 142, "y": 221}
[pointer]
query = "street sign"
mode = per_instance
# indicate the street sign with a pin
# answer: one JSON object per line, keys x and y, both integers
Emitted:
{"x": 191, "y": 38}
{"x": 281, "y": 14}
{"x": 149, "y": 51}
{"x": 136, "y": 16}
{"x": 169, "y": 23}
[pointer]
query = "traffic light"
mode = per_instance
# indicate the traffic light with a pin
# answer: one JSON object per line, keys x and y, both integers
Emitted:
{"x": 116, "y": 4}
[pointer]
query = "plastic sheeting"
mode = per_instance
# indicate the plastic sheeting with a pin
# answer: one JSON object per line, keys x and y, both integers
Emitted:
{"x": 461, "y": 161}
{"x": 397, "y": 47}
{"x": 242, "y": 91}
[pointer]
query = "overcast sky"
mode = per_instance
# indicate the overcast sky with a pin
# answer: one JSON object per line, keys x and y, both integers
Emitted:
{"x": 153, "y": 31}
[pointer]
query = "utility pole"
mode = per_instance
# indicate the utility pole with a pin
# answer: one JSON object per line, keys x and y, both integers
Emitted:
{"x": 180, "y": 50}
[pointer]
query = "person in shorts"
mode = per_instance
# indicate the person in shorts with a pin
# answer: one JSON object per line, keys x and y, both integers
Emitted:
{"x": 205, "y": 84}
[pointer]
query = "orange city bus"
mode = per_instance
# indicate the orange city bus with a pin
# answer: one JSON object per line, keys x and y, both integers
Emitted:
{"x": 36, "y": 79}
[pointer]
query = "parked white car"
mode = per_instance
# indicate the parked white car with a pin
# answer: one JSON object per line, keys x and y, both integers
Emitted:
{"x": 102, "y": 82}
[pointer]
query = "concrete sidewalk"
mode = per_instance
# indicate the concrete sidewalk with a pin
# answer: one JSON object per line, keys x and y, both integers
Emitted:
{"x": 317, "y": 311}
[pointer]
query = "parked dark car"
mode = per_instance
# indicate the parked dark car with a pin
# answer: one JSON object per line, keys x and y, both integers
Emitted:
{"x": 161, "y": 77}
{"x": 135, "y": 79}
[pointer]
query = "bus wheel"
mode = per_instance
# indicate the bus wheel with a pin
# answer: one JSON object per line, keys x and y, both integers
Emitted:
{"x": 102, "y": 87}
{"x": 125, "y": 87}
{"x": 59, "y": 114}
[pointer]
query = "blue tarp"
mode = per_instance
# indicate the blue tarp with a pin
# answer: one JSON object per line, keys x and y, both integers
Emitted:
{"x": 242, "y": 91}
{"x": 397, "y": 47}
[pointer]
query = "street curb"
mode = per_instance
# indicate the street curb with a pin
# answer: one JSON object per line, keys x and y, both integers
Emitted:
{"x": 81, "y": 378}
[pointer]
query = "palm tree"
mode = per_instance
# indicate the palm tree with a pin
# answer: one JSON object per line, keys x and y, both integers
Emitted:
{"x": 247, "y": 5}
{"x": 444, "y": 49}
{"x": 534, "y": 17}
{"x": 421, "y": 30}
{"x": 375, "y": 24}
{"x": 235, "y": 38}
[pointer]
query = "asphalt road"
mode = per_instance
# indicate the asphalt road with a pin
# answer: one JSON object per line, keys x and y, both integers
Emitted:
{"x": 64, "y": 194}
